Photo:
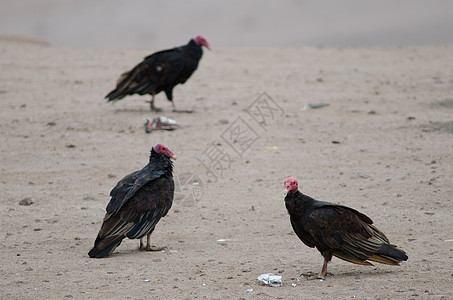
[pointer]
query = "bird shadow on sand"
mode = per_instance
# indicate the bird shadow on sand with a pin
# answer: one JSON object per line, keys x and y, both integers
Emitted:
{"x": 134, "y": 110}
{"x": 153, "y": 113}
{"x": 132, "y": 252}
{"x": 365, "y": 273}
{"x": 356, "y": 274}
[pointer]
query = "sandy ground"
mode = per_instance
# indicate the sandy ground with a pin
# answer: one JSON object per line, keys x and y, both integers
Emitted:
{"x": 383, "y": 146}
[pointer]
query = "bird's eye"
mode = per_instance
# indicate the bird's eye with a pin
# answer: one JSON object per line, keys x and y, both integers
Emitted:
{"x": 163, "y": 148}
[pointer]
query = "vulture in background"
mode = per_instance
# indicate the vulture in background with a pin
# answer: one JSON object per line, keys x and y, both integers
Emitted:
{"x": 337, "y": 230}
{"x": 138, "y": 202}
{"x": 161, "y": 71}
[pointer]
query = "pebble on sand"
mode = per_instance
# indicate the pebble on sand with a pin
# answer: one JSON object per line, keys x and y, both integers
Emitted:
{"x": 27, "y": 201}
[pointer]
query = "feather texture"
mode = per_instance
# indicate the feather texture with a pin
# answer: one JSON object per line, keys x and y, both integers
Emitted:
{"x": 337, "y": 230}
{"x": 138, "y": 202}
{"x": 160, "y": 71}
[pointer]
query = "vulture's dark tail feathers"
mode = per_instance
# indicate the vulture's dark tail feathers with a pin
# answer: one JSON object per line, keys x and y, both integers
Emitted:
{"x": 104, "y": 246}
{"x": 389, "y": 254}
{"x": 114, "y": 95}
{"x": 393, "y": 252}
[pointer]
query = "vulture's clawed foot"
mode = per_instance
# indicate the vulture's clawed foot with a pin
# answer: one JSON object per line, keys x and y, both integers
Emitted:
{"x": 151, "y": 247}
{"x": 156, "y": 109}
{"x": 154, "y": 248}
{"x": 310, "y": 275}
{"x": 183, "y": 111}
{"x": 152, "y": 107}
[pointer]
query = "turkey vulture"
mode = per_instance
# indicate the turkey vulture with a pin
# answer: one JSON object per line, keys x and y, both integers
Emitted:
{"x": 337, "y": 230}
{"x": 138, "y": 202}
{"x": 161, "y": 71}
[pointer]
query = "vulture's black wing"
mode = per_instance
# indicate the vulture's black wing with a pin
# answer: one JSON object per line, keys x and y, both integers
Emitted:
{"x": 142, "y": 212}
{"x": 136, "y": 217}
{"x": 129, "y": 185}
{"x": 151, "y": 75}
{"x": 349, "y": 235}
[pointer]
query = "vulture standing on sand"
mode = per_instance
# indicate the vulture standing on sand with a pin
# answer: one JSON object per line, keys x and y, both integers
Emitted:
{"x": 138, "y": 202}
{"x": 337, "y": 230}
{"x": 161, "y": 71}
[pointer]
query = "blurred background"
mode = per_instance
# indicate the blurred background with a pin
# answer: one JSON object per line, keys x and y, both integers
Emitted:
{"x": 162, "y": 24}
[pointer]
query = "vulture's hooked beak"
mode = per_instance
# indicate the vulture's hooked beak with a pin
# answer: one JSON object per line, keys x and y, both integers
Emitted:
{"x": 285, "y": 192}
{"x": 174, "y": 157}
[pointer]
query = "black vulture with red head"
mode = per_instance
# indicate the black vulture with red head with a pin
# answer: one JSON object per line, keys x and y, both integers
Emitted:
{"x": 138, "y": 202}
{"x": 161, "y": 71}
{"x": 337, "y": 230}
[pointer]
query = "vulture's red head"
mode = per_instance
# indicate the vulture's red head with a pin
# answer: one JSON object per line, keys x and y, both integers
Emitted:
{"x": 162, "y": 149}
{"x": 201, "y": 41}
{"x": 291, "y": 185}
